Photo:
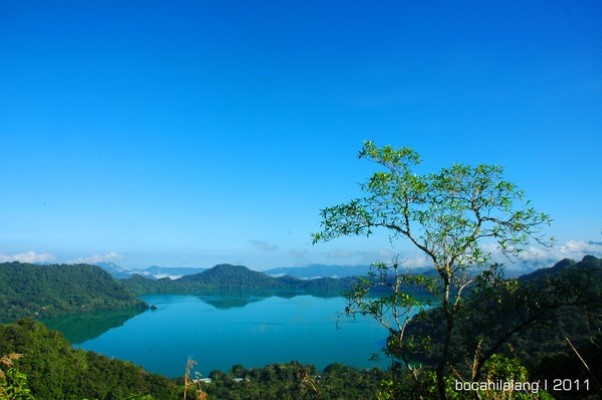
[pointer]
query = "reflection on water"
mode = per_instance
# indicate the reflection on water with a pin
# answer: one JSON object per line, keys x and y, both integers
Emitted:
{"x": 224, "y": 299}
{"x": 229, "y": 301}
{"x": 79, "y": 328}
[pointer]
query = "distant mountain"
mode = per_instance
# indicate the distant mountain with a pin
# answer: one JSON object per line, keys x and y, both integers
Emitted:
{"x": 115, "y": 270}
{"x": 152, "y": 272}
{"x": 50, "y": 290}
{"x": 167, "y": 272}
{"x": 227, "y": 277}
{"x": 331, "y": 271}
{"x": 522, "y": 267}
{"x": 312, "y": 271}
{"x": 320, "y": 271}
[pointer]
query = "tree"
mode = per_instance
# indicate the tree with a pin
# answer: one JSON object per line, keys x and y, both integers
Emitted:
{"x": 451, "y": 216}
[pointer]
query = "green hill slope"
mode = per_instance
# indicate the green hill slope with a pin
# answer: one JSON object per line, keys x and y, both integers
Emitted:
{"x": 44, "y": 291}
{"x": 226, "y": 277}
{"x": 530, "y": 317}
{"x": 56, "y": 371}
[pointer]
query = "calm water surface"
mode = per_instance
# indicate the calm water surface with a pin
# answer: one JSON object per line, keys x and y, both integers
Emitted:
{"x": 219, "y": 332}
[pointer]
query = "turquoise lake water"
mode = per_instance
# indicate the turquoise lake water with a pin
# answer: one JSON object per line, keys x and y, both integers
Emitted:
{"x": 221, "y": 331}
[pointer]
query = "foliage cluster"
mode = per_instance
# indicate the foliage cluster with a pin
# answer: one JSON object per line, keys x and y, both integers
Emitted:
{"x": 13, "y": 383}
{"x": 294, "y": 381}
{"x": 30, "y": 290}
{"x": 530, "y": 318}
{"x": 533, "y": 314}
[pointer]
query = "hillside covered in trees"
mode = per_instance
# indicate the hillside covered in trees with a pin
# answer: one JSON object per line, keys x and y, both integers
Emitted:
{"x": 550, "y": 320}
{"x": 56, "y": 371}
{"x": 44, "y": 291}
{"x": 41, "y": 291}
{"x": 226, "y": 277}
{"x": 546, "y": 325}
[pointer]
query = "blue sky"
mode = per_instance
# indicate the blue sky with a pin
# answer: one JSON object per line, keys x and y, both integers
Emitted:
{"x": 191, "y": 133}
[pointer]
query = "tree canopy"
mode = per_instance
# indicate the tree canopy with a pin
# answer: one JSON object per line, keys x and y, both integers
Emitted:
{"x": 454, "y": 217}
{"x": 30, "y": 290}
{"x": 446, "y": 214}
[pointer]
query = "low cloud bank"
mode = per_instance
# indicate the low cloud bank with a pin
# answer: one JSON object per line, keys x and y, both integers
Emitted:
{"x": 96, "y": 258}
{"x": 533, "y": 257}
{"x": 572, "y": 249}
{"x": 30, "y": 257}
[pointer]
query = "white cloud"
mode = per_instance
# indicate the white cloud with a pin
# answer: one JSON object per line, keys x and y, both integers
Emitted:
{"x": 29, "y": 257}
{"x": 533, "y": 257}
{"x": 574, "y": 249}
{"x": 96, "y": 258}
{"x": 172, "y": 277}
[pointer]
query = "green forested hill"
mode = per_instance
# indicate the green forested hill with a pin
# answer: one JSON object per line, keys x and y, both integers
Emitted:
{"x": 537, "y": 311}
{"x": 226, "y": 277}
{"x": 56, "y": 371}
{"x": 533, "y": 317}
{"x": 50, "y": 290}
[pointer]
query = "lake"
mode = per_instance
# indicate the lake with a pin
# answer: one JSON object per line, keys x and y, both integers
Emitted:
{"x": 221, "y": 331}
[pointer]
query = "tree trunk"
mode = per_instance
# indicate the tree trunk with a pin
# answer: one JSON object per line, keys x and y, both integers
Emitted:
{"x": 449, "y": 326}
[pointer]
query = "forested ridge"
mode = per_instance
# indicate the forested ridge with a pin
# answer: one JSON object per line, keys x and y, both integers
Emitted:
{"x": 537, "y": 311}
{"x": 227, "y": 277}
{"x": 42, "y": 291}
{"x": 546, "y": 325}
{"x": 30, "y": 290}
{"x": 57, "y": 371}
{"x": 550, "y": 320}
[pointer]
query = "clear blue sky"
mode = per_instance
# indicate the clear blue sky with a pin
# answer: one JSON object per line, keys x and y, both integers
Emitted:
{"x": 190, "y": 133}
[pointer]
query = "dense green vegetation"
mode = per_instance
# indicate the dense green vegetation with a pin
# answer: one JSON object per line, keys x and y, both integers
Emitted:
{"x": 13, "y": 383}
{"x": 452, "y": 217}
{"x": 41, "y": 291}
{"x": 535, "y": 319}
{"x": 56, "y": 371}
{"x": 532, "y": 314}
{"x": 543, "y": 326}
{"x": 294, "y": 381}
{"x": 229, "y": 278}
{"x": 540, "y": 310}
